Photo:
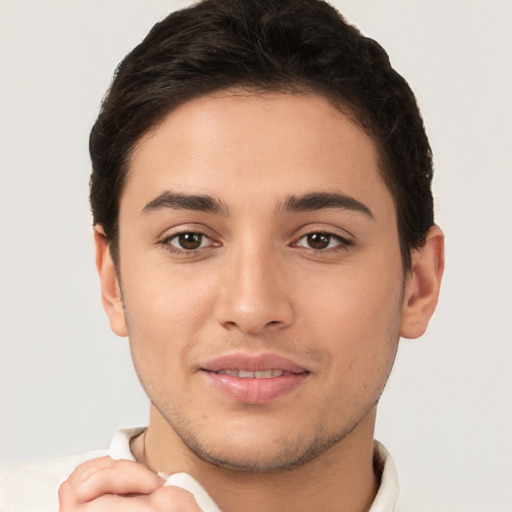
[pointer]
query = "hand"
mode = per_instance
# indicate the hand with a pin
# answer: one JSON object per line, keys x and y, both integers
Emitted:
{"x": 107, "y": 485}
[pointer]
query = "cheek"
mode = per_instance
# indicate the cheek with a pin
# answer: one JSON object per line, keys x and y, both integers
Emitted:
{"x": 161, "y": 331}
{"x": 165, "y": 313}
{"x": 160, "y": 296}
{"x": 357, "y": 315}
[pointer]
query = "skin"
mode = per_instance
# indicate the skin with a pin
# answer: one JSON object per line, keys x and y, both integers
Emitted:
{"x": 107, "y": 485}
{"x": 260, "y": 281}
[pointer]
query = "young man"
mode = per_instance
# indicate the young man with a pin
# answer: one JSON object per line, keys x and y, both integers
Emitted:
{"x": 264, "y": 235}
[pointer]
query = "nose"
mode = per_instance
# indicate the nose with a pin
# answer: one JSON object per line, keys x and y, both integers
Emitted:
{"x": 254, "y": 295}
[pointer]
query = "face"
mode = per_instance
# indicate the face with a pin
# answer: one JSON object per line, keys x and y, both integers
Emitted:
{"x": 261, "y": 276}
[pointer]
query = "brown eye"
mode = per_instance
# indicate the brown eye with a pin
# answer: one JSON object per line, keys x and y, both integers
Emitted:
{"x": 321, "y": 241}
{"x": 318, "y": 240}
{"x": 189, "y": 241}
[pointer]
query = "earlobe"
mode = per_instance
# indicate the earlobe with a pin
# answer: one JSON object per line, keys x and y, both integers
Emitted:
{"x": 423, "y": 284}
{"x": 110, "y": 290}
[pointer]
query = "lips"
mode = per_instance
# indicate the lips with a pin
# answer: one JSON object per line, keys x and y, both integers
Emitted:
{"x": 253, "y": 379}
{"x": 252, "y": 363}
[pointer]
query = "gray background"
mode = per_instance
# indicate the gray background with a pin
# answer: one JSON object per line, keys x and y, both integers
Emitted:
{"x": 66, "y": 382}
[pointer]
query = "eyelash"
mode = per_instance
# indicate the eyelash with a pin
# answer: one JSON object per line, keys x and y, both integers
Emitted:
{"x": 342, "y": 244}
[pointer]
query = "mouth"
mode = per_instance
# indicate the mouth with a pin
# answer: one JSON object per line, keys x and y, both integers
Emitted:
{"x": 245, "y": 365}
{"x": 254, "y": 379}
{"x": 262, "y": 374}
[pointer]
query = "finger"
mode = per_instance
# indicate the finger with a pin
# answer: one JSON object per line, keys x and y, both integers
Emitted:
{"x": 112, "y": 477}
{"x": 93, "y": 463}
{"x": 163, "y": 499}
{"x": 111, "y": 503}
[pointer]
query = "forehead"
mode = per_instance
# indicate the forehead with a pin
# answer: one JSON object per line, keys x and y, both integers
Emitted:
{"x": 241, "y": 147}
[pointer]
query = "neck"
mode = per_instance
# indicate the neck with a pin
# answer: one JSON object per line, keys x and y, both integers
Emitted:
{"x": 342, "y": 475}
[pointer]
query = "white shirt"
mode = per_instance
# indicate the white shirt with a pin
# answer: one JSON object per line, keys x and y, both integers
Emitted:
{"x": 33, "y": 487}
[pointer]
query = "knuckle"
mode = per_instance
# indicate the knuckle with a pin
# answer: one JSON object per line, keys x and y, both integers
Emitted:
{"x": 89, "y": 466}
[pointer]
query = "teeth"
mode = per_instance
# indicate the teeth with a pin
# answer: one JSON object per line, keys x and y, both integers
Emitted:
{"x": 266, "y": 374}
{"x": 263, "y": 374}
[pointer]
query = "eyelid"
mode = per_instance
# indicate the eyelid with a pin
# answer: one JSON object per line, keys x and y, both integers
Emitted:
{"x": 184, "y": 227}
{"x": 328, "y": 229}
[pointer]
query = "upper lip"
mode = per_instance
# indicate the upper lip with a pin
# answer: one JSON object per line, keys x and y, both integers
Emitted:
{"x": 252, "y": 363}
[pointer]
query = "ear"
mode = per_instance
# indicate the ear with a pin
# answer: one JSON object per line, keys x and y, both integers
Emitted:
{"x": 110, "y": 290}
{"x": 422, "y": 284}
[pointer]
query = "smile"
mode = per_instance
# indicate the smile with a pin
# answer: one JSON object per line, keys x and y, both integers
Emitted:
{"x": 253, "y": 379}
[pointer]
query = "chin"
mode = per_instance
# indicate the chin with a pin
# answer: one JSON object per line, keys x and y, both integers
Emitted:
{"x": 261, "y": 453}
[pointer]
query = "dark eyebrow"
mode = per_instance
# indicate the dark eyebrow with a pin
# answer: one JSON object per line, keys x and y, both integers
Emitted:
{"x": 321, "y": 200}
{"x": 178, "y": 201}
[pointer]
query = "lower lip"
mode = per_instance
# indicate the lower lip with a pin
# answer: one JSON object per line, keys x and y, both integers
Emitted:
{"x": 255, "y": 391}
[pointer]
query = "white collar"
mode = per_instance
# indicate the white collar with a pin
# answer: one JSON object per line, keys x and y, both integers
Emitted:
{"x": 387, "y": 495}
